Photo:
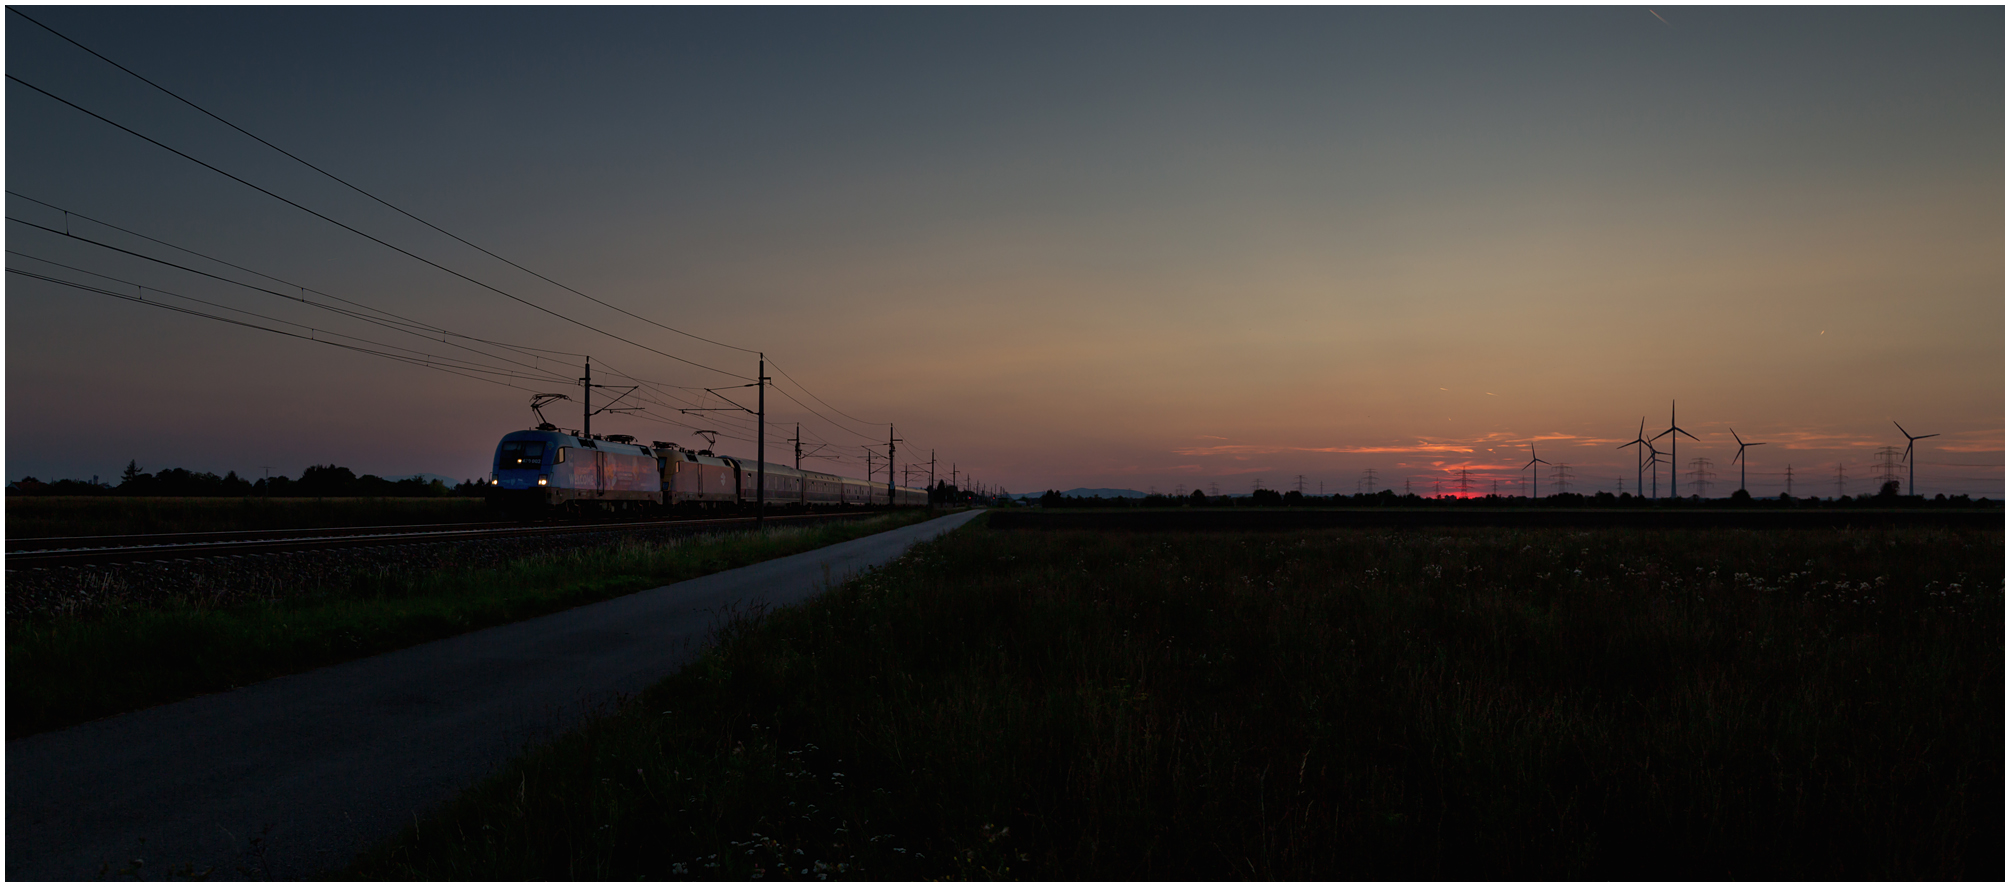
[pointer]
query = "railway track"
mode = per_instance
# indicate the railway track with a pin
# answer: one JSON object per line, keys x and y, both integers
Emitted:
{"x": 70, "y": 551}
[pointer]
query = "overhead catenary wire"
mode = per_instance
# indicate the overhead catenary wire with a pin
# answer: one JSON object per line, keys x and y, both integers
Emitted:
{"x": 70, "y": 213}
{"x": 452, "y": 366}
{"x": 358, "y": 189}
{"x": 464, "y": 241}
{"x": 365, "y": 235}
{"x": 427, "y": 335}
{"x": 310, "y": 338}
{"x": 346, "y": 183}
{"x": 409, "y": 326}
{"x": 783, "y": 391}
{"x": 470, "y": 366}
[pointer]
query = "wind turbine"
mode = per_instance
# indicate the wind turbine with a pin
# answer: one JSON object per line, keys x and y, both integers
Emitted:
{"x": 1673, "y": 458}
{"x": 1533, "y": 487}
{"x": 1639, "y": 440}
{"x": 1654, "y": 458}
{"x": 1911, "y": 467}
{"x": 1740, "y": 458}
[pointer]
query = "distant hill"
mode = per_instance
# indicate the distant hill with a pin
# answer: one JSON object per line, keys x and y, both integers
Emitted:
{"x": 1085, "y": 493}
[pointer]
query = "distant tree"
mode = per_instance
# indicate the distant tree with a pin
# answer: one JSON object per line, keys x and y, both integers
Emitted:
{"x": 1889, "y": 490}
{"x": 1050, "y": 499}
{"x": 1741, "y": 497}
{"x": 327, "y": 480}
{"x": 1198, "y": 498}
{"x": 132, "y": 472}
{"x": 1294, "y": 498}
{"x": 1262, "y": 497}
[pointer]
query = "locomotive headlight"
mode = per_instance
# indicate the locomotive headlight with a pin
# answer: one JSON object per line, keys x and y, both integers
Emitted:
{"x": 494, "y": 481}
{"x": 543, "y": 480}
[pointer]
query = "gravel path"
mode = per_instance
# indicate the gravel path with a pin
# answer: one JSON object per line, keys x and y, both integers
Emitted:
{"x": 293, "y": 776}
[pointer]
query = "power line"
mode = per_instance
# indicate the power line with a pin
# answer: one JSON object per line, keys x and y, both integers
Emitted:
{"x": 408, "y": 214}
{"x": 369, "y": 237}
{"x": 300, "y": 299}
{"x": 68, "y": 213}
{"x": 358, "y": 189}
{"x": 346, "y": 183}
{"x": 423, "y": 359}
{"x": 192, "y": 312}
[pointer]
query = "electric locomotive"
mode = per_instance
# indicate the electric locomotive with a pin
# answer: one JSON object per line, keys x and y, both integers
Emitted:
{"x": 547, "y": 469}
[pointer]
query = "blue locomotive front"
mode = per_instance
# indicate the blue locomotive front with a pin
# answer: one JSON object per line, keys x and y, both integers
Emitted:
{"x": 549, "y": 468}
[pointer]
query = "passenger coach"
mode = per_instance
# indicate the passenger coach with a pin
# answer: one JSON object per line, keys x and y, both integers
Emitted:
{"x": 546, "y": 469}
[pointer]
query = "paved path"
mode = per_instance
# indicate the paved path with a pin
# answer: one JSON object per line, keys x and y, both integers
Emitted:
{"x": 293, "y": 776}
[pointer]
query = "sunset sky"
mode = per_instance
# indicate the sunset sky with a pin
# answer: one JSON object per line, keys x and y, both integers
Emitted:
{"x": 1144, "y": 248}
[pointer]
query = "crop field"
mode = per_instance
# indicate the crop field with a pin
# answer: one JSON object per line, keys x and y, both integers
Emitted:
{"x": 37, "y": 517}
{"x": 1483, "y": 703}
{"x": 93, "y": 641}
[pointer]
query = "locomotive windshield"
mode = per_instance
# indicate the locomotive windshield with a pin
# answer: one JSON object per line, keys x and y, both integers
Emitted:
{"x": 520, "y": 454}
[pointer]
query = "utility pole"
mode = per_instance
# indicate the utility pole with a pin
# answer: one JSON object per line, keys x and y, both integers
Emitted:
{"x": 931, "y": 479}
{"x": 761, "y": 446}
{"x": 1790, "y": 480}
{"x": 890, "y": 439}
{"x": 798, "y": 441}
{"x": 1839, "y": 480}
{"x": 760, "y": 412}
{"x": 586, "y": 400}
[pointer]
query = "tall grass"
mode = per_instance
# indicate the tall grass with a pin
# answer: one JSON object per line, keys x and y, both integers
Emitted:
{"x": 1469, "y": 704}
{"x": 36, "y": 517}
{"x": 62, "y": 671}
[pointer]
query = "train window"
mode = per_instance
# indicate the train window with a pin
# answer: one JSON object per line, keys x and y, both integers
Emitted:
{"x": 521, "y": 454}
{"x": 559, "y": 456}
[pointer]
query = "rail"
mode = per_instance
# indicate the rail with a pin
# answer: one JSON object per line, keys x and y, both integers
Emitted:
{"x": 87, "y": 550}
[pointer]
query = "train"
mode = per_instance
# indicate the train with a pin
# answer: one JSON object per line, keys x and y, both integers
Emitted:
{"x": 548, "y": 470}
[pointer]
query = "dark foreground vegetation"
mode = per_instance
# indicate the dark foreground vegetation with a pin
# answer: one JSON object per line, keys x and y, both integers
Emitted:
{"x": 1469, "y": 704}
{"x": 85, "y": 652}
{"x": 41, "y": 517}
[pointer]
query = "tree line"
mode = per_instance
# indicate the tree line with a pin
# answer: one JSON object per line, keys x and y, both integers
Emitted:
{"x": 316, "y": 481}
{"x": 1888, "y": 496}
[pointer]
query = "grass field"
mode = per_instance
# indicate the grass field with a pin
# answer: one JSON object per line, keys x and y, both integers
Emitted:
{"x": 63, "y": 670}
{"x": 1483, "y": 704}
{"x": 36, "y": 517}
